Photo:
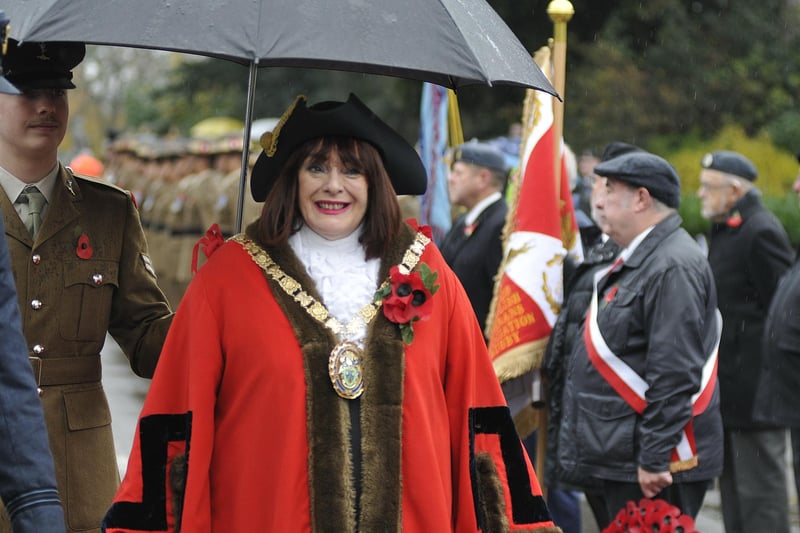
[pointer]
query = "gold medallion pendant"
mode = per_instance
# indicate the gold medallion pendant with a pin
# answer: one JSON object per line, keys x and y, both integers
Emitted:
{"x": 344, "y": 369}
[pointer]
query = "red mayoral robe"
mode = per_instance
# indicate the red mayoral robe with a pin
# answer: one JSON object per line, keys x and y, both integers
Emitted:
{"x": 242, "y": 430}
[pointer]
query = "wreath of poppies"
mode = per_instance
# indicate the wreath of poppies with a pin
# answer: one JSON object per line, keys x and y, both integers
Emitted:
{"x": 651, "y": 516}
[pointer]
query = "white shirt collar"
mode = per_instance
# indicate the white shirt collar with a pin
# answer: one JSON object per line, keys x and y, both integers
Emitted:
{"x": 480, "y": 207}
{"x": 345, "y": 280}
{"x": 12, "y": 185}
{"x": 628, "y": 252}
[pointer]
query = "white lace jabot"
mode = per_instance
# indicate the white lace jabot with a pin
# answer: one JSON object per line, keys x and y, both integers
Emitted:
{"x": 345, "y": 281}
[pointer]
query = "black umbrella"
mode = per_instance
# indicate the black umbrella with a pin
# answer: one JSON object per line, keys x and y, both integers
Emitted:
{"x": 452, "y": 43}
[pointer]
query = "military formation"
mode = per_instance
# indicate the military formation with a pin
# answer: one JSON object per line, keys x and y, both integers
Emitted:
{"x": 182, "y": 187}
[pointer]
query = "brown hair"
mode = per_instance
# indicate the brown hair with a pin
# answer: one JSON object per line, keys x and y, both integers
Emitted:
{"x": 281, "y": 217}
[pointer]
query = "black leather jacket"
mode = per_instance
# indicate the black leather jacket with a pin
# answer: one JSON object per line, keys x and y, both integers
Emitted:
{"x": 662, "y": 322}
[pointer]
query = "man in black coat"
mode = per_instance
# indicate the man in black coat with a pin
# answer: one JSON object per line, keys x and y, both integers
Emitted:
{"x": 474, "y": 246}
{"x": 640, "y": 403}
{"x": 778, "y": 395}
{"x": 578, "y": 286}
{"x": 749, "y": 251}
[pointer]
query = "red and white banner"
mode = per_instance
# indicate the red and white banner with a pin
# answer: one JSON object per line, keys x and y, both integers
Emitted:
{"x": 540, "y": 231}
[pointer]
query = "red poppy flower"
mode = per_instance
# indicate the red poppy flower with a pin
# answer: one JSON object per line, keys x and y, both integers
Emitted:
{"x": 84, "y": 249}
{"x": 651, "y": 516}
{"x": 735, "y": 220}
{"x": 407, "y": 298}
{"x": 209, "y": 244}
{"x": 611, "y": 293}
{"x": 425, "y": 230}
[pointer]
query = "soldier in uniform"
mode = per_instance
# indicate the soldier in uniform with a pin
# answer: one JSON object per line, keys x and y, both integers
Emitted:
{"x": 27, "y": 475}
{"x": 183, "y": 219}
{"x": 82, "y": 270}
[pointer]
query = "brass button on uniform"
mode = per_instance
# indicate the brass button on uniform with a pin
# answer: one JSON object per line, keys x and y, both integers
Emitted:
{"x": 38, "y": 349}
{"x": 36, "y": 258}
{"x": 97, "y": 279}
{"x": 36, "y": 304}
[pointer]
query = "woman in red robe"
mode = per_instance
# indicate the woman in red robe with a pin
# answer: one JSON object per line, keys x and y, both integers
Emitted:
{"x": 325, "y": 371}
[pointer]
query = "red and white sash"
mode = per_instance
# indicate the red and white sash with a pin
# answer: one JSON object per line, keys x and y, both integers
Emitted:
{"x": 632, "y": 387}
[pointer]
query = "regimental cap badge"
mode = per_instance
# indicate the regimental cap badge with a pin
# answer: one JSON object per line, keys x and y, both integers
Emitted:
{"x": 708, "y": 159}
{"x": 43, "y": 52}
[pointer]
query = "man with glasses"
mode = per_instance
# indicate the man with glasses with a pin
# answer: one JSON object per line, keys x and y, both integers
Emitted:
{"x": 749, "y": 251}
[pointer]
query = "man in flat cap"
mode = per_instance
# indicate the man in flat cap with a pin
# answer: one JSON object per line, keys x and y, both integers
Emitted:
{"x": 578, "y": 287}
{"x": 82, "y": 270}
{"x": 474, "y": 246}
{"x": 749, "y": 251}
{"x": 640, "y": 405}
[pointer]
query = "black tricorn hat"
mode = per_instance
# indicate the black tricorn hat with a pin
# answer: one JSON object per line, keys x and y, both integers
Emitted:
{"x": 326, "y": 119}
{"x": 44, "y": 65}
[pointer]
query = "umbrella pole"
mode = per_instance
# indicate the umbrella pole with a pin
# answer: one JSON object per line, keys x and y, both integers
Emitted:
{"x": 248, "y": 121}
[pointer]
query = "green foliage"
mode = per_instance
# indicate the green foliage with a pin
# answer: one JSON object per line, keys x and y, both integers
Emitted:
{"x": 643, "y": 70}
{"x": 776, "y": 168}
{"x": 693, "y": 221}
{"x": 785, "y": 130}
{"x": 786, "y": 208}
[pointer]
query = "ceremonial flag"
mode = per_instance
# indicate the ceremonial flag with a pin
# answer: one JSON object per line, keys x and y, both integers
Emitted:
{"x": 433, "y": 141}
{"x": 540, "y": 231}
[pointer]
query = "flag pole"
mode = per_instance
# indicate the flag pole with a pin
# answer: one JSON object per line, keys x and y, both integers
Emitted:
{"x": 560, "y": 12}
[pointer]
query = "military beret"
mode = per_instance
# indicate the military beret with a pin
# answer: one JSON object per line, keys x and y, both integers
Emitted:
{"x": 45, "y": 65}
{"x": 730, "y": 163}
{"x": 643, "y": 169}
{"x": 618, "y": 148}
{"x": 480, "y": 154}
{"x": 336, "y": 119}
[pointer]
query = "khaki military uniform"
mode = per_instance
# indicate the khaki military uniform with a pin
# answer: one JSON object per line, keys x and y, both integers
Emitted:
{"x": 223, "y": 209}
{"x": 68, "y": 304}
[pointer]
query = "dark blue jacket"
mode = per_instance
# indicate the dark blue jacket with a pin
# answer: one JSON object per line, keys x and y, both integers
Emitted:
{"x": 27, "y": 479}
{"x": 475, "y": 258}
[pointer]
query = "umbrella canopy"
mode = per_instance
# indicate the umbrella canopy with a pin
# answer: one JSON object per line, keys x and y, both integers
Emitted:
{"x": 447, "y": 42}
{"x": 451, "y": 43}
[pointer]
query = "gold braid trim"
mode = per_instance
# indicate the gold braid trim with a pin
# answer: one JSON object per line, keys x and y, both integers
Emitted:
{"x": 311, "y": 305}
{"x": 269, "y": 140}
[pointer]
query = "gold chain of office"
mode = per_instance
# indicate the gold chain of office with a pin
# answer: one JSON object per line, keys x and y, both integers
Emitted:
{"x": 344, "y": 363}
